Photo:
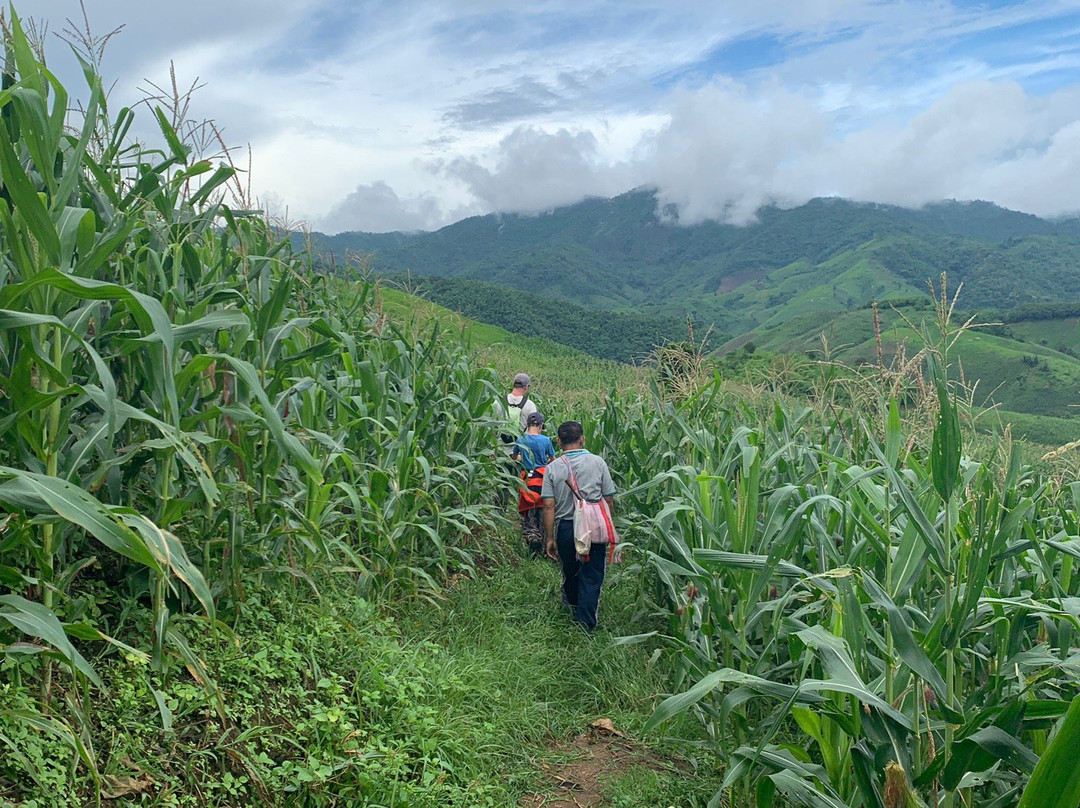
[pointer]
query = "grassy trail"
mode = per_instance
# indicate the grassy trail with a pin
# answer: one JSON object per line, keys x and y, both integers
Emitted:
{"x": 533, "y": 682}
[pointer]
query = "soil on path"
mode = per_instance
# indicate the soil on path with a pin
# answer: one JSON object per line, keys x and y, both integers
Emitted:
{"x": 598, "y": 755}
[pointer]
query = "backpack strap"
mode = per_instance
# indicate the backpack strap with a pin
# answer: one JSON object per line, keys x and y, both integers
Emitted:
{"x": 572, "y": 482}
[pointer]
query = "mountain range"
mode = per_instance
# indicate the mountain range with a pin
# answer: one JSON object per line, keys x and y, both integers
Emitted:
{"x": 781, "y": 281}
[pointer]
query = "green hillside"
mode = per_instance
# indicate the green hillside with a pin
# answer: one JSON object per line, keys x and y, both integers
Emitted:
{"x": 826, "y": 255}
{"x": 1011, "y": 369}
{"x": 786, "y": 282}
{"x": 620, "y": 335}
{"x": 574, "y": 378}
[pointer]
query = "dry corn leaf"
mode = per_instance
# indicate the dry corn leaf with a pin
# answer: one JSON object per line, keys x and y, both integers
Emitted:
{"x": 608, "y": 726}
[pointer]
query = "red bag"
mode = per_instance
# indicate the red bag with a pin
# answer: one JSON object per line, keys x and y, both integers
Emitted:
{"x": 529, "y": 493}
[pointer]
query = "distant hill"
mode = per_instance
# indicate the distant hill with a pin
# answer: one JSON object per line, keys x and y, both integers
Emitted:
{"x": 781, "y": 282}
{"x": 622, "y": 336}
{"x": 827, "y": 255}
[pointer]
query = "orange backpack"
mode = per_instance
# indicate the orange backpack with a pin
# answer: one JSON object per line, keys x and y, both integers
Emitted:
{"x": 529, "y": 493}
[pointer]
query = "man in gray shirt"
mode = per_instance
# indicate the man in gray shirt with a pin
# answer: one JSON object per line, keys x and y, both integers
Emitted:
{"x": 582, "y": 578}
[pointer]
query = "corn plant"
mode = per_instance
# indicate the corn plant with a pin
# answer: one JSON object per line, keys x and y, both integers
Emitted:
{"x": 186, "y": 404}
{"x": 857, "y": 619}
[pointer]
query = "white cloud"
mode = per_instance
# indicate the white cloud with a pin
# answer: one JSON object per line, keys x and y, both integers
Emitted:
{"x": 535, "y": 170}
{"x": 377, "y": 208}
{"x": 379, "y": 114}
{"x": 726, "y": 153}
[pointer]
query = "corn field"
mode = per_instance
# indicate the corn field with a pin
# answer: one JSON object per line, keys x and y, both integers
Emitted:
{"x": 861, "y": 614}
{"x": 860, "y": 618}
{"x": 186, "y": 407}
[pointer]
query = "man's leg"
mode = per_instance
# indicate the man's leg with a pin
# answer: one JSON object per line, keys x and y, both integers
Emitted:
{"x": 533, "y": 531}
{"x": 564, "y": 539}
{"x": 590, "y": 580}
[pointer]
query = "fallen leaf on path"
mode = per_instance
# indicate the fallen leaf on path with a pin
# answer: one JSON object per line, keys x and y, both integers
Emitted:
{"x": 116, "y": 786}
{"x": 608, "y": 726}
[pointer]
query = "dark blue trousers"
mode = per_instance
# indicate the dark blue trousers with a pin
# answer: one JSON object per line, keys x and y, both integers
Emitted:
{"x": 581, "y": 580}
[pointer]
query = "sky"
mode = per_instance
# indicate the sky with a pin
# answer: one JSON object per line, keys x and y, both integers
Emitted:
{"x": 382, "y": 115}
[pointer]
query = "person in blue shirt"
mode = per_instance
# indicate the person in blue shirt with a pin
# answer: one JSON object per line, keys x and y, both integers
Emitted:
{"x": 533, "y": 450}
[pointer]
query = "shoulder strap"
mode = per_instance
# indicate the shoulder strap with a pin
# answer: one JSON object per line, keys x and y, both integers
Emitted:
{"x": 572, "y": 482}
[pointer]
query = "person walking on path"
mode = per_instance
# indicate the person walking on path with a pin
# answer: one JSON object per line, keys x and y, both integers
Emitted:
{"x": 513, "y": 410}
{"x": 533, "y": 451}
{"x": 582, "y": 579}
{"x": 516, "y": 402}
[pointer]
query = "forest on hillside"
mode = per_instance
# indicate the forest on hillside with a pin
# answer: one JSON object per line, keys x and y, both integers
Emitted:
{"x": 791, "y": 282}
{"x": 622, "y": 336}
{"x": 615, "y": 253}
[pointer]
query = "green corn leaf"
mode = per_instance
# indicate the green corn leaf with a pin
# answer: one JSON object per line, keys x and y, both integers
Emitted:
{"x": 270, "y": 312}
{"x": 287, "y": 440}
{"x": 765, "y": 792}
{"x": 30, "y": 70}
{"x": 180, "y": 441}
{"x": 1055, "y": 781}
{"x": 221, "y": 175}
{"x": 802, "y": 792}
{"x": 36, "y": 133}
{"x": 777, "y": 759}
{"x": 843, "y": 675}
{"x": 76, "y": 231}
{"x": 947, "y": 442}
{"x": 37, "y": 621}
{"x": 909, "y": 562}
{"x": 910, "y": 651}
{"x": 178, "y": 149}
{"x": 148, "y": 311}
{"x": 39, "y": 493}
{"x": 865, "y": 770}
{"x": 923, "y": 524}
{"x": 77, "y": 153}
{"x": 748, "y": 561}
{"x": 26, "y": 202}
{"x": 977, "y": 751}
{"x": 893, "y": 434}
{"x": 170, "y": 555}
{"x": 681, "y": 702}
{"x": 210, "y": 324}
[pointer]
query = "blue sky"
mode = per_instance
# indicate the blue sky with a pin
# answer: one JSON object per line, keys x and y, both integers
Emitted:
{"x": 411, "y": 114}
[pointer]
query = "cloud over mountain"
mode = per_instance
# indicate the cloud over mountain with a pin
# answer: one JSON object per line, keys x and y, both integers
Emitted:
{"x": 383, "y": 115}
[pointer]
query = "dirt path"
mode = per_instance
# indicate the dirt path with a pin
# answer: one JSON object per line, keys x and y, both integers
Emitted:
{"x": 599, "y": 754}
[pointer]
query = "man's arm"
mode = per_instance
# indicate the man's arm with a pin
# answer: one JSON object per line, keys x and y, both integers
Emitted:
{"x": 549, "y": 528}
{"x": 610, "y": 500}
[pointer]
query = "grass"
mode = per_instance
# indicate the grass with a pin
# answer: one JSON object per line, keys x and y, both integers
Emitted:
{"x": 568, "y": 378}
{"x": 1061, "y": 333}
{"x": 306, "y": 697}
{"x": 536, "y": 680}
{"x": 460, "y": 702}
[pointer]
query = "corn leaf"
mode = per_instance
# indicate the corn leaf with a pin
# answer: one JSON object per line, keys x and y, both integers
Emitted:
{"x": 37, "y": 621}
{"x": 1055, "y": 782}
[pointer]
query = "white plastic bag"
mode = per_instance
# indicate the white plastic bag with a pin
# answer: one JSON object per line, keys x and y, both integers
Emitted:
{"x": 592, "y": 522}
{"x": 593, "y": 525}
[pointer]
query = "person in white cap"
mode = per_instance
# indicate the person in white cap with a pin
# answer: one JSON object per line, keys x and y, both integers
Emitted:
{"x": 516, "y": 403}
{"x": 514, "y": 411}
